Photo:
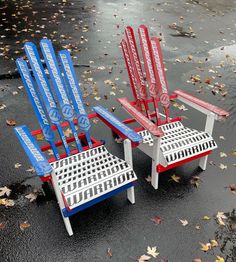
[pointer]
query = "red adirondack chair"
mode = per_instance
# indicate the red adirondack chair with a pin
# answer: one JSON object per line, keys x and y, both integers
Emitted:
{"x": 166, "y": 140}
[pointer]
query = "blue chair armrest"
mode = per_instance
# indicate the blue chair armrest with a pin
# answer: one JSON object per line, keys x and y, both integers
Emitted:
{"x": 116, "y": 125}
{"x": 38, "y": 160}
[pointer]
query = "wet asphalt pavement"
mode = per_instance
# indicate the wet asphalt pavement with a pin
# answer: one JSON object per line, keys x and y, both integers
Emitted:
{"x": 205, "y": 46}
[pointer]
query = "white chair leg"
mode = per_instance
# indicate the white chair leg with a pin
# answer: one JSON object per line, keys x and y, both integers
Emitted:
{"x": 203, "y": 162}
{"x": 210, "y": 120}
{"x": 67, "y": 225}
{"x": 155, "y": 161}
{"x": 131, "y": 195}
{"x": 61, "y": 204}
{"x": 128, "y": 152}
{"x": 155, "y": 175}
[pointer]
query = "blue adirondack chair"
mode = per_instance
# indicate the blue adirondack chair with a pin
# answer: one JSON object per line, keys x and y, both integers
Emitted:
{"x": 88, "y": 174}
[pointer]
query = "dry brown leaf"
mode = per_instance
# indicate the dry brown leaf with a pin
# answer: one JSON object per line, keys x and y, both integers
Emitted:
{"x": 220, "y": 218}
{"x": 157, "y": 220}
{"x": 7, "y": 202}
{"x": 2, "y": 225}
{"x": 197, "y": 260}
{"x": 5, "y": 191}
{"x": 205, "y": 247}
{"x": 109, "y": 252}
{"x": 10, "y": 122}
{"x": 175, "y": 178}
{"x": 144, "y": 258}
{"x": 40, "y": 137}
{"x": 24, "y": 225}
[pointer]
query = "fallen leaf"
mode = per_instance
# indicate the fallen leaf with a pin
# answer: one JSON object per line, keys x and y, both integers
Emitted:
{"x": 220, "y": 218}
{"x": 7, "y": 202}
{"x": 2, "y": 225}
{"x": 233, "y": 188}
{"x": 175, "y": 178}
{"x": 197, "y": 260}
{"x": 109, "y": 252}
{"x": 144, "y": 258}
{"x": 205, "y": 247}
{"x": 214, "y": 243}
{"x": 157, "y": 220}
{"x": 68, "y": 132}
{"x": 222, "y": 166}
{"x": 184, "y": 222}
{"x": 222, "y": 137}
{"x": 219, "y": 259}
{"x": 10, "y": 122}
{"x": 33, "y": 195}
{"x": 5, "y": 191}
{"x": 40, "y": 137}
{"x": 24, "y": 225}
{"x": 152, "y": 251}
{"x": 206, "y": 218}
{"x": 148, "y": 179}
{"x": 195, "y": 181}
{"x": 17, "y": 165}
{"x": 223, "y": 154}
{"x": 197, "y": 227}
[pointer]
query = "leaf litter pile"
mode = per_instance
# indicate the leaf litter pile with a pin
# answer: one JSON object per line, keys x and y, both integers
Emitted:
{"x": 29, "y": 24}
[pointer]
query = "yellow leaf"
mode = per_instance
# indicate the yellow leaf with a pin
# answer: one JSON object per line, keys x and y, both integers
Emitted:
{"x": 205, "y": 247}
{"x": 152, "y": 251}
{"x": 7, "y": 202}
{"x": 175, "y": 178}
{"x": 214, "y": 243}
{"x": 206, "y": 218}
{"x": 40, "y": 137}
{"x": 24, "y": 225}
{"x": 219, "y": 259}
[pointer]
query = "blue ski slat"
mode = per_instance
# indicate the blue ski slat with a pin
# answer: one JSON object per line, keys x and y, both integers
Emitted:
{"x": 42, "y": 81}
{"x": 128, "y": 132}
{"x": 59, "y": 85}
{"x": 44, "y": 87}
{"x": 74, "y": 90}
{"x": 57, "y": 80}
{"x": 39, "y": 162}
{"x": 75, "y": 93}
{"x": 36, "y": 103}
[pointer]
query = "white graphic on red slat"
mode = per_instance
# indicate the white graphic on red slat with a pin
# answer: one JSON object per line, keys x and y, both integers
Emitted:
{"x": 210, "y": 107}
{"x": 159, "y": 70}
{"x": 130, "y": 69}
{"x": 136, "y": 62}
{"x": 145, "y": 45}
{"x": 141, "y": 119}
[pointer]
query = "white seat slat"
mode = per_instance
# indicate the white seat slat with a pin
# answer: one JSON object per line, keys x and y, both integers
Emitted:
{"x": 179, "y": 142}
{"x": 91, "y": 174}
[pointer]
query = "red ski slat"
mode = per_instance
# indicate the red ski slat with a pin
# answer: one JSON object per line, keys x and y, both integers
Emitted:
{"x": 140, "y": 118}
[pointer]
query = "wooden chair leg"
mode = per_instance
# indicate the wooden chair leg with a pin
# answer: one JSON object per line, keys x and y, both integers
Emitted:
{"x": 67, "y": 225}
{"x": 131, "y": 195}
{"x": 61, "y": 204}
{"x": 155, "y": 175}
{"x": 203, "y": 162}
